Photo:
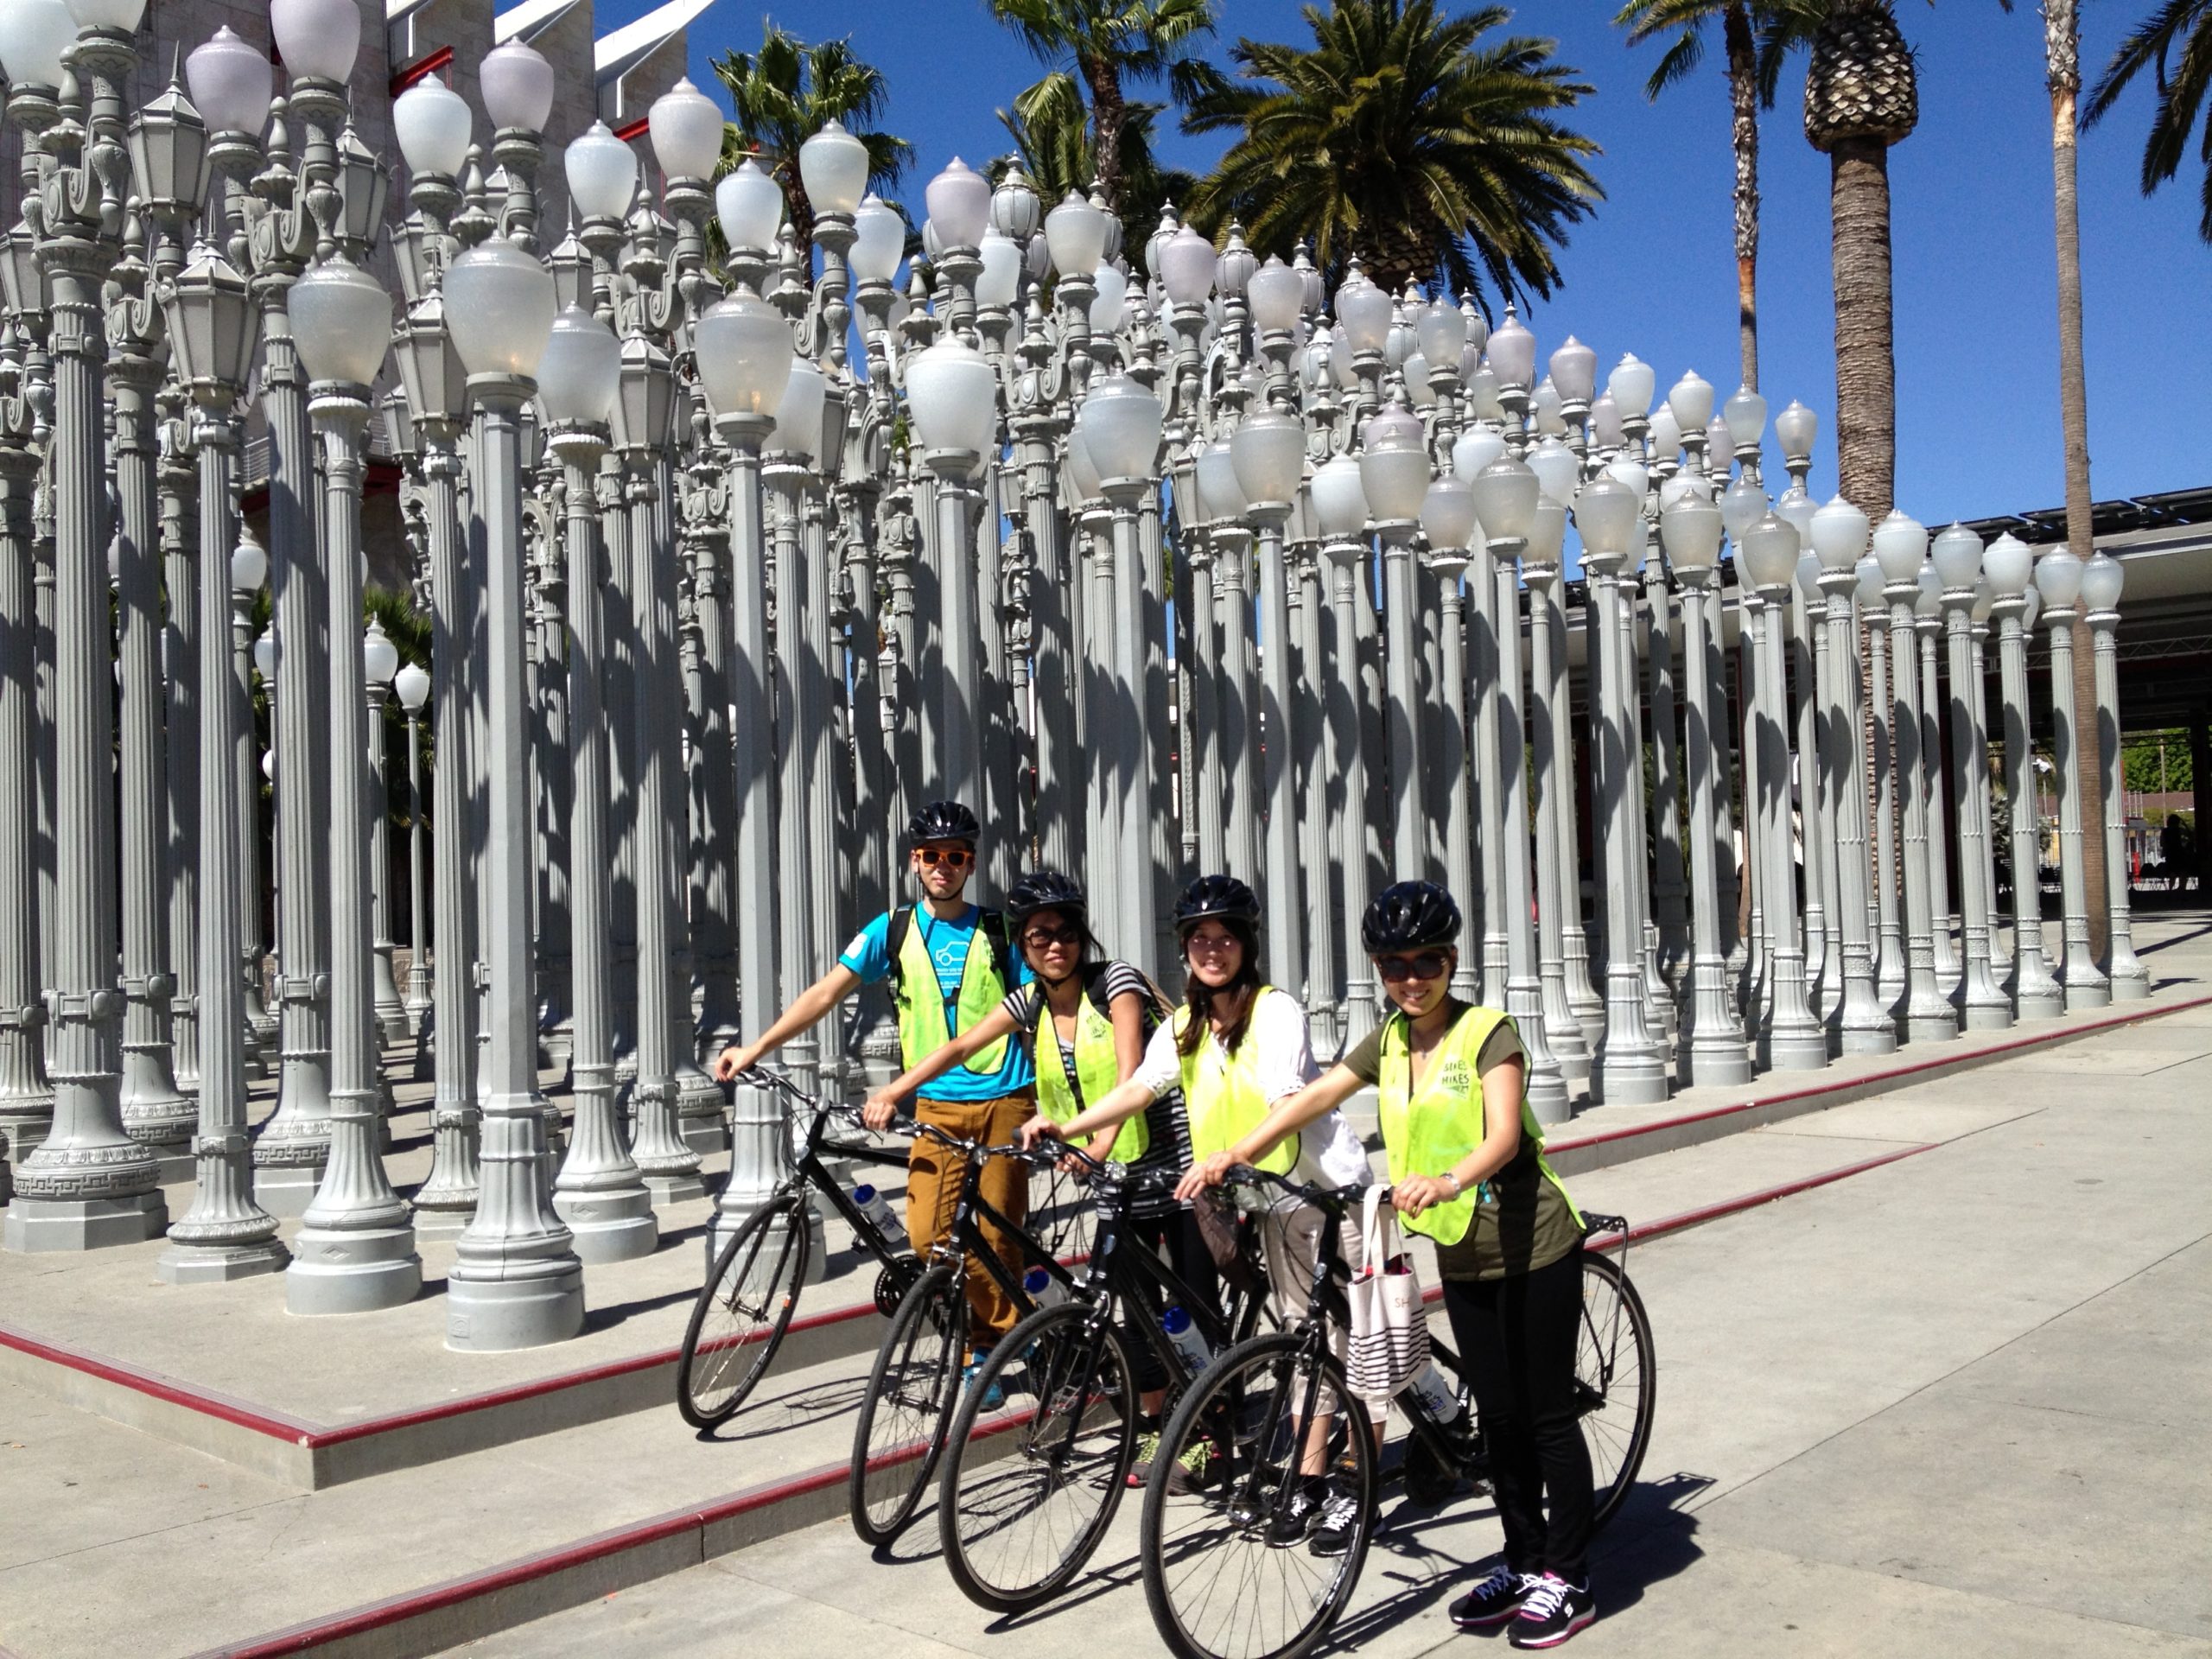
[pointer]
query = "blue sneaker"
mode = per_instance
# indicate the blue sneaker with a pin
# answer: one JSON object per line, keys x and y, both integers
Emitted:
{"x": 994, "y": 1396}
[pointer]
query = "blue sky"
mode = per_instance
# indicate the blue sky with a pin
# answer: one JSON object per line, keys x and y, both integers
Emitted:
{"x": 1654, "y": 272}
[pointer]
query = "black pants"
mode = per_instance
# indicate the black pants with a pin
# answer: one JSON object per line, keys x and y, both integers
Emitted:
{"x": 1176, "y": 1234}
{"x": 1517, "y": 1338}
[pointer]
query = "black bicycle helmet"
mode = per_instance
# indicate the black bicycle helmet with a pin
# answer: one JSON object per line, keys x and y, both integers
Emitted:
{"x": 1045, "y": 890}
{"x": 1216, "y": 898}
{"x": 1409, "y": 915}
{"x": 943, "y": 821}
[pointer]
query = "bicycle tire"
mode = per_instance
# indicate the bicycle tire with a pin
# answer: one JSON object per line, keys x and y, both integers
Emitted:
{"x": 1617, "y": 1406}
{"x": 908, "y": 1405}
{"x": 1236, "y": 1503}
{"x": 1004, "y": 1547}
{"x": 714, "y": 1372}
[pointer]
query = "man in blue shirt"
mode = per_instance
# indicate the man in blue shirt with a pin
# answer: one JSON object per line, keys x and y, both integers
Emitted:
{"x": 949, "y": 965}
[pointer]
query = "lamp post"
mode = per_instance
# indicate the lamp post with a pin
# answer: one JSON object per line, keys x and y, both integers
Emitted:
{"x": 2102, "y": 581}
{"x": 380, "y": 662}
{"x": 1393, "y": 471}
{"x": 249, "y": 576}
{"x": 1340, "y": 507}
{"x": 1267, "y": 452}
{"x": 1871, "y": 742}
{"x": 87, "y": 1184}
{"x": 2010, "y": 568}
{"x": 2058, "y": 578}
{"x": 1448, "y": 521}
{"x": 413, "y": 685}
{"x": 225, "y": 1235}
{"x": 1549, "y": 775}
{"x": 1901, "y": 545}
{"x": 1928, "y": 612}
{"x": 1957, "y": 560}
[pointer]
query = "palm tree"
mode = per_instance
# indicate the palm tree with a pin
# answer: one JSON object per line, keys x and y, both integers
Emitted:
{"x": 785, "y": 93}
{"x": 1050, "y": 125}
{"x": 1402, "y": 135}
{"x": 2176, "y": 44}
{"x": 1647, "y": 20}
{"x": 1108, "y": 45}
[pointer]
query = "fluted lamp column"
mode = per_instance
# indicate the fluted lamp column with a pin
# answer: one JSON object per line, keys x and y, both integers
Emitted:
{"x": 1900, "y": 546}
{"x": 1448, "y": 521}
{"x": 2058, "y": 577}
{"x": 380, "y": 662}
{"x": 1394, "y": 471}
{"x": 2010, "y": 565}
{"x": 2101, "y": 581}
{"x": 1956, "y": 558}
{"x": 1340, "y": 507}
{"x": 515, "y": 1280}
{"x": 412, "y": 686}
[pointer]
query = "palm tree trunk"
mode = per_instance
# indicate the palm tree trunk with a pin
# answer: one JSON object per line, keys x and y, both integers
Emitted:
{"x": 2062, "y": 50}
{"x": 1744, "y": 133}
{"x": 1866, "y": 371}
{"x": 1108, "y": 112}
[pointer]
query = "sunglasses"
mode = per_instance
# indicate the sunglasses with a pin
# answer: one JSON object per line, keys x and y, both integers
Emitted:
{"x": 1044, "y": 938}
{"x": 955, "y": 858}
{"x": 1429, "y": 964}
{"x": 1211, "y": 947}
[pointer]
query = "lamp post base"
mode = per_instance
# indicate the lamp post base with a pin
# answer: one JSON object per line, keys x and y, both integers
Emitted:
{"x": 488, "y": 1316}
{"x": 37, "y": 1226}
{"x": 609, "y": 1226}
{"x": 360, "y": 1270}
{"x": 679, "y": 1187}
{"x": 286, "y": 1190}
{"x": 219, "y": 1264}
{"x": 440, "y": 1224}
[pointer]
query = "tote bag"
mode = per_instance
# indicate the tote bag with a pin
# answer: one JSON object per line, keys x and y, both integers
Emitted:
{"x": 1389, "y": 1330}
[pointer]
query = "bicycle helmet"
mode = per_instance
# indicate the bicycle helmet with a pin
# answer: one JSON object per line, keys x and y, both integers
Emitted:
{"x": 1216, "y": 898}
{"x": 1409, "y": 915}
{"x": 943, "y": 821}
{"x": 1045, "y": 890}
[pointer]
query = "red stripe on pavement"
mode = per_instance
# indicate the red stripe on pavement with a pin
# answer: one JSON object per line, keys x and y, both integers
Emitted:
{"x": 276, "y": 1425}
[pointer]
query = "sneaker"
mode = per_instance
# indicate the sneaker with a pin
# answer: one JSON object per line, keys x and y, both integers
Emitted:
{"x": 1191, "y": 1467}
{"x": 1340, "y": 1522}
{"x": 1554, "y": 1611}
{"x": 1295, "y": 1513}
{"x": 994, "y": 1396}
{"x": 1147, "y": 1454}
{"x": 1496, "y": 1599}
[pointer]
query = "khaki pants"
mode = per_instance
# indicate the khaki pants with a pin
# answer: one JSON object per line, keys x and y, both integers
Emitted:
{"x": 1290, "y": 1236}
{"x": 933, "y": 1178}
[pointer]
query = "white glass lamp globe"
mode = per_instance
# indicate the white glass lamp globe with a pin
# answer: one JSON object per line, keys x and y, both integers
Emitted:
{"x": 959, "y": 201}
{"x": 744, "y": 348}
{"x": 1690, "y": 402}
{"x": 379, "y": 657}
{"x": 341, "y": 320}
{"x": 1605, "y": 424}
{"x": 499, "y": 308}
{"x": 2034, "y": 606}
{"x": 1000, "y": 278}
{"x": 1839, "y": 534}
{"x": 266, "y": 657}
{"x": 750, "y": 206}
{"x": 2058, "y": 578}
{"x": 1219, "y": 493}
{"x": 1268, "y": 451}
{"x": 1956, "y": 555}
{"x": 1447, "y": 514}
{"x": 1743, "y": 504}
{"x": 580, "y": 372}
{"x": 1548, "y": 406}
{"x": 1506, "y": 495}
{"x": 1746, "y": 415}
{"x": 1632, "y": 473}
{"x": 316, "y": 38}
{"x": 413, "y": 685}
{"x": 1795, "y": 429}
{"x": 432, "y": 124}
{"x": 1110, "y": 304}
{"x": 1233, "y": 271}
{"x": 950, "y": 392}
{"x": 1797, "y": 509}
{"x": 1414, "y": 372}
{"x": 1186, "y": 267}
{"x": 1395, "y": 474}
{"x": 1605, "y": 513}
{"x": 1769, "y": 550}
{"x": 1363, "y": 313}
{"x": 1808, "y": 570}
{"x": 517, "y": 86}
{"x": 1015, "y": 211}
{"x": 249, "y": 566}
{"x": 1930, "y": 602}
{"x": 799, "y": 413}
{"x": 2009, "y": 564}
{"x": 1547, "y": 533}
{"x": 686, "y": 126}
{"x": 1122, "y": 424}
{"x": 1075, "y": 234}
{"x": 1556, "y": 469}
{"x": 1440, "y": 331}
{"x": 833, "y": 167}
{"x": 1718, "y": 443}
{"x": 1082, "y": 471}
{"x": 35, "y": 36}
{"x": 1632, "y": 386}
{"x": 1276, "y": 293}
{"x": 1682, "y": 484}
{"x": 1983, "y": 603}
{"x": 1339, "y": 499}
{"x": 1689, "y": 531}
{"x": 603, "y": 173}
{"x": 1512, "y": 359}
{"x": 1475, "y": 449}
{"x": 1575, "y": 371}
{"x": 1869, "y": 572}
{"x": 232, "y": 84}
{"x": 1901, "y": 544}
{"x": 2101, "y": 581}
{"x": 878, "y": 236}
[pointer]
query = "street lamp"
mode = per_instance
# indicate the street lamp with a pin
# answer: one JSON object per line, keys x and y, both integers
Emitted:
{"x": 380, "y": 662}
{"x": 412, "y": 683}
{"x": 2058, "y": 579}
{"x": 2102, "y": 581}
{"x": 1957, "y": 560}
{"x": 1900, "y": 546}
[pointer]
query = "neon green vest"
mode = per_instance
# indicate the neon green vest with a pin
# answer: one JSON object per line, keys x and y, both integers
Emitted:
{"x": 1097, "y": 1070}
{"x": 922, "y": 1029}
{"x": 1227, "y": 1104}
{"x": 1428, "y": 1132}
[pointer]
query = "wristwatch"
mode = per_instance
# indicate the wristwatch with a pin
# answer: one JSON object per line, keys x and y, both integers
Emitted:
{"x": 1458, "y": 1186}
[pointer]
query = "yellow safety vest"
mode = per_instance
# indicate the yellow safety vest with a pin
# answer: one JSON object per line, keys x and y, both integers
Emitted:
{"x": 1227, "y": 1104}
{"x": 922, "y": 1007}
{"x": 1428, "y": 1132}
{"x": 1097, "y": 1070}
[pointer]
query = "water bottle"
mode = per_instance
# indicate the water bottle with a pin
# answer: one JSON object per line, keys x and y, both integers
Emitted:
{"x": 1434, "y": 1390}
{"x": 1043, "y": 1288}
{"x": 877, "y": 1208}
{"x": 1186, "y": 1338}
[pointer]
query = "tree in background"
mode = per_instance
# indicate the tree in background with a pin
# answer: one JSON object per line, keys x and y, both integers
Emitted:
{"x": 1051, "y": 128}
{"x": 1401, "y": 135}
{"x": 2176, "y": 44}
{"x": 783, "y": 95}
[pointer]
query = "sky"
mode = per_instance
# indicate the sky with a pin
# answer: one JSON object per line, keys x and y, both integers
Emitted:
{"x": 1653, "y": 269}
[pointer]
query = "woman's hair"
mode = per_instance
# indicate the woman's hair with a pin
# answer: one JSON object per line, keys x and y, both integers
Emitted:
{"x": 1198, "y": 996}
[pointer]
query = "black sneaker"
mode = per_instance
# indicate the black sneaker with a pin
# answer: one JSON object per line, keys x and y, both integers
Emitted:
{"x": 1339, "y": 1522}
{"x": 1554, "y": 1611}
{"x": 1496, "y": 1599}
{"x": 1296, "y": 1513}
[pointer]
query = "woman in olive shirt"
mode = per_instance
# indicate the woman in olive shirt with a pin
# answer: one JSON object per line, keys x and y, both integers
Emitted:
{"x": 1467, "y": 1169}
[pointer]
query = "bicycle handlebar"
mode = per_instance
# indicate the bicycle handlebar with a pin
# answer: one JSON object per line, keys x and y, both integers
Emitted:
{"x": 1335, "y": 1199}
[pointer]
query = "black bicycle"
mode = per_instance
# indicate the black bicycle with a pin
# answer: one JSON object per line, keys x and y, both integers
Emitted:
{"x": 915, "y": 1385}
{"x": 1228, "y": 1570}
{"x": 1040, "y": 1451}
{"x": 753, "y": 1289}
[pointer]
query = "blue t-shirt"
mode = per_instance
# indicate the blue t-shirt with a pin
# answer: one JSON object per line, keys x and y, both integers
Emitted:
{"x": 948, "y": 944}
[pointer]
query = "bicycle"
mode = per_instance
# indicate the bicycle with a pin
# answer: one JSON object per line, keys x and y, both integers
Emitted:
{"x": 913, "y": 1388}
{"x": 1031, "y": 1484}
{"x": 747, "y": 1303}
{"x": 1225, "y": 1573}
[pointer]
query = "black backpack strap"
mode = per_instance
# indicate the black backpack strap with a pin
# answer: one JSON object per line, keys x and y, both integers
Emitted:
{"x": 894, "y": 943}
{"x": 992, "y": 925}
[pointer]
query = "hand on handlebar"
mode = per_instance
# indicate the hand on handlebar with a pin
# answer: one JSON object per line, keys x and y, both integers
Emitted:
{"x": 879, "y": 1111}
{"x": 1038, "y": 1127}
{"x": 1209, "y": 1170}
{"x": 734, "y": 1059}
{"x": 1418, "y": 1192}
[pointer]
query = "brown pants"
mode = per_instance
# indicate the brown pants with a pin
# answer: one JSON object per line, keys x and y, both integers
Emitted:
{"x": 933, "y": 1177}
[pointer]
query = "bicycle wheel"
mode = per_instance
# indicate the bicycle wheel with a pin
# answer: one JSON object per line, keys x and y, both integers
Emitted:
{"x": 1616, "y": 1381}
{"x": 1225, "y": 1575}
{"x": 910, "y": 1393}
{"x": 1030, "y": 1483}
{"x": 743, "y": 1310}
